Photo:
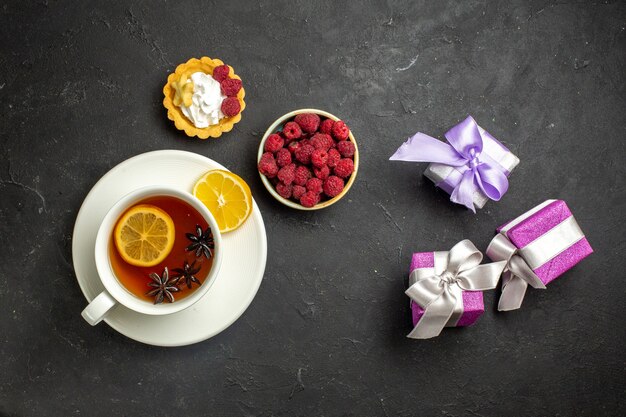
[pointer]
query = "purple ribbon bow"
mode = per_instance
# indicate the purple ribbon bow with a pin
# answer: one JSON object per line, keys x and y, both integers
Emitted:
{"x": 465, "y": 143}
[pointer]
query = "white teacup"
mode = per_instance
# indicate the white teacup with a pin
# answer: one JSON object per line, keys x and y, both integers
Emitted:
{"x": 115, "y": 292}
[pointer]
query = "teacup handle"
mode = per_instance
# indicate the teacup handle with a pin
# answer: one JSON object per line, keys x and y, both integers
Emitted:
{"x": 98, "y": 308}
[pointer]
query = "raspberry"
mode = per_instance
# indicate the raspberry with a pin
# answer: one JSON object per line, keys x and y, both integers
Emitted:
{"x": 273, "y": 143}
{"x": 333, "y": 157}
{"x": 340, "y": 130}
{"x": 287, "y": 174}
{"x": 302, "y": 175}
{"x": 346, "y": 148}
{"x": 329, "y": 140}
{"x": 293, "y": 147}
{"x": 308, "y": 121}
{"x": 319, "y": 157}
{"x": 309, "y": 199}
{"x": 317, "y": 142}
{"x": 231, "y": 106}
{"x": 322, "y": 141}
{"x": 314, "y": 185}
{"x": 322, "y": 173}
{"x": 297, "y": 191}
{"x": 267, "y": 156}
{"x": 292, "y": 131}
{"x": 230, "y": 86}
{"x": 283, "y": 157}
{"x": 333, "y": 186}
{"x": 267, "y": 165}
{"x": 344, "y": 168}
{"x": 221, "y": 73}
{"x": 326, "y": 126}
{"x": 269, "y": 169}
{"x": 303, "y": 154}
{"x": 284, "y": 190}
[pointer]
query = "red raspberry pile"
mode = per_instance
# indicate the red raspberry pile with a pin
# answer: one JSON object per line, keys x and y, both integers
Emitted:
{"x": 230, "y": 87}
{"x": 309, "y": 160}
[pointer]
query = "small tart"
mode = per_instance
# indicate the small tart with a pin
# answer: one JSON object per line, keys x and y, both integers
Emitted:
{"x": 174, "y": 112}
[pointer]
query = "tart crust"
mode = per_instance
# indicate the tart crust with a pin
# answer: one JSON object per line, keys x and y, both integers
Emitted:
{"x": 174, "y": 113}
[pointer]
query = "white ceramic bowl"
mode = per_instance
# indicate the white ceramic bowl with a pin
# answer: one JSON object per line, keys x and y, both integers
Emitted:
{"x": 290, "y": 203}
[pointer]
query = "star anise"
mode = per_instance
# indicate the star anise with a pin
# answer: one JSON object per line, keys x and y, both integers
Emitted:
{"x": 187, "y": 273}
{"x": 163, "y": 287}
{"x": 201, "y": 243}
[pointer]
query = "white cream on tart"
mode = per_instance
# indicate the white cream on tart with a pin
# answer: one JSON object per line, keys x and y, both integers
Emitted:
{"x": 206, "y": 101}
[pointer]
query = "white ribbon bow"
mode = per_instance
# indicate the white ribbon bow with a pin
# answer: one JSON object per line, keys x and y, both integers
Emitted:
{"x": 517, "y": 276}
{"x": 435, "y": 293}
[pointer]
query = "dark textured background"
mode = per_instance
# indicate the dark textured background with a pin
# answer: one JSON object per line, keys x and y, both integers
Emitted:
{"x": 80, "y": 90}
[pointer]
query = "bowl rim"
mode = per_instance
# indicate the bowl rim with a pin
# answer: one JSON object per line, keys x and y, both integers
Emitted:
{"x": 268, "y": 185}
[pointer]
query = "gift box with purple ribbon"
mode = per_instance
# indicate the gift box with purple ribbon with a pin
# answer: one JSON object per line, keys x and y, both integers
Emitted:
{"x": 539, "y": 246}
{"x": 473, "y": 167}
{"x": 446, "y": 288}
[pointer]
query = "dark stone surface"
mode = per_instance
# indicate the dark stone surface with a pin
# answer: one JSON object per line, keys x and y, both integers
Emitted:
{"x": 80, "y": 89}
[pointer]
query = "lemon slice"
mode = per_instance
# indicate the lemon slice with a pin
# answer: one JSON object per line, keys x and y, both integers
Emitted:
{"x": 227, "y": 197}
{"x": 144, "y": 235}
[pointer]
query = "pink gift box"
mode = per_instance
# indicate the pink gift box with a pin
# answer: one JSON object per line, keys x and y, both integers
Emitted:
{"x": 548, "y": 238}
{"x": 473, "y": 306}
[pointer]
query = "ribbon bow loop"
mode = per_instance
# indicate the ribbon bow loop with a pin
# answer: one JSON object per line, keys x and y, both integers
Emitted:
{"x": 435, "y": 293}
{"x": 465, "y": 144}
{"x": 517, "y": 276}
{"x": 465, "y": 138}
{"x": 463, "y": 257}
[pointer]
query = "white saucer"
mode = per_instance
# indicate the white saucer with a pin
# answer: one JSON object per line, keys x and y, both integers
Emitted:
{"x": 243, "y": 265}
